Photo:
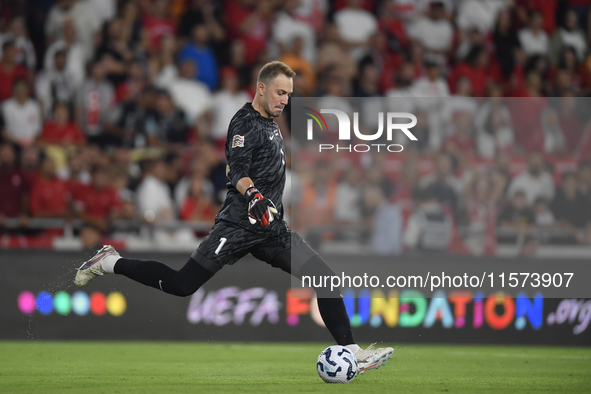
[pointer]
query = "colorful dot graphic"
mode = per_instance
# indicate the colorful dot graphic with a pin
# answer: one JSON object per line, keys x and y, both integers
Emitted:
{"x": 80, "y": 303}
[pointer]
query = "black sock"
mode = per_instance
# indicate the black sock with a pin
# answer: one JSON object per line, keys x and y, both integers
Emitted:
{"x": 183, "y": 282}
{"x": 330, "y": 302}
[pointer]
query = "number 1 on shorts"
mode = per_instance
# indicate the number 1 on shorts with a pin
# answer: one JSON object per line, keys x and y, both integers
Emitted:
{"x": 222, "y": 242}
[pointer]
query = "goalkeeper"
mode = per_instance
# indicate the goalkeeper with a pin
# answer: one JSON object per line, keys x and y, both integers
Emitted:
{"x": 250, "y": 219}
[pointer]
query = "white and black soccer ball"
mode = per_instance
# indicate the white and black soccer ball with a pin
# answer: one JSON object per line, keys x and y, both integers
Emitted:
{"x": 336, "y": 364}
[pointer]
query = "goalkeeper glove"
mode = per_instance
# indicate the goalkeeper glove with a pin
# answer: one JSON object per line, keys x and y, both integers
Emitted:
{"x": 260, "y": 209}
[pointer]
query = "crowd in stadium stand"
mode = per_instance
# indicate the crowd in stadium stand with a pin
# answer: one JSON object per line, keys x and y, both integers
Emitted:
{"x": 118, "y": 109}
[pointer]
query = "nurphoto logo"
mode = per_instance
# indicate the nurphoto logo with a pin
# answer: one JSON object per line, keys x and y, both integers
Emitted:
{"x": 345, "y": 130}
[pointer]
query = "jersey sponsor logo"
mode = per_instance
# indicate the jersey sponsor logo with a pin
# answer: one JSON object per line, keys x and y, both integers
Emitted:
{"x": 271, "y": 137}
{"x": 238, "y": 141}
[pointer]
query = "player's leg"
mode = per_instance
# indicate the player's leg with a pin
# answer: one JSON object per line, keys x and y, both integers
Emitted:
{"x": 221, "y": 246}
{"x": 183, "y": 282}
{"x": 290, "y": 253}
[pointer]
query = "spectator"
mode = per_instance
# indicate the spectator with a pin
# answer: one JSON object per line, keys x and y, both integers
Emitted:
{"x": 55, "y": 85}
{"x": 442, "y": 184}
{"x": 22, "y": 116}
{"x": 132, "y": 88}
{"x": 158, "y": 22}
{"x": 200, "y": 169}
{"x": 201, "y": 53}
{"x": 129, "y": 119}
{"x": 286, "y": 28}
{"x": 192, "y": 96}
{"x": 25, "y": 52}
{"x": 97, "y": 204}
{"x": 494, "y": 133}
{"x": 49, "y": 195}
{"x": 94, "y": 106}
{"x": 348, "y": 199}
{"x": 506, "y": 44}
{"x": 554, "y": 141}
{"x": 248, "y": 21}
{"x": 10, "y": 71}
{"x": 475, "y": 68}
{"x": 168, "y": 125}
{"x": 479, "y": 14}
{"x": 483, "y": 194}
{"x": 82, "y": 15}
{"x": 61, "y": 130}
{"x": 534, "y": 40}
{"x": 429, "y": 228}
{"x": 534, "y": 182}
{"x": 153, "y": 194}
{"x": 392, "y": 25}
{"x": 291, "y": 56}
{"x": 198, "y": 206}
{"x": 570, "y": 35}
{"x": 202, "y": 12}
{"x": 226, "y": 102}
{"x": 517, "y": 215}
{"x": 432, "y": 89}
{"x": 113, "y": 52}
{"x": 133, "y": 32}
{"x": 14, "y": 186}
{"x": 572, "y": 210}
{"x": 433, "y": 31}
{"x": 543, "y": 214}
{"x": 460, "y": 144}
{"x": 317, "y": 204}
{"x": 75, "y": 55}
{"x": 366, "y": 25}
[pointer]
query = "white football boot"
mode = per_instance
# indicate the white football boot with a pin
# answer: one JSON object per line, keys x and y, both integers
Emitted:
{"x": 93, "y": 268}
{"x": 371, "y": 358}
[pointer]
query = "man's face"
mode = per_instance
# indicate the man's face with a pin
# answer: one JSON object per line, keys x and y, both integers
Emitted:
{"x": 276, "y": 95}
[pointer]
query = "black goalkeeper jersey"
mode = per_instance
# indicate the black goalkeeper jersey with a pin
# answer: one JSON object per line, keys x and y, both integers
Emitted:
{"x": 254, "y": 149}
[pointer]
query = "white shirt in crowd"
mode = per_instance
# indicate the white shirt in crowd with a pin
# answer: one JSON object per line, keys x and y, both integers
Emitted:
{"x": 479, "y": 14}
{"x": 22, "y": 122}
{"x": 154, "y": 195}
{"x": 533, "y": 187}
{"x": 356, "y": 26}
{"x": 286, "y": 28}
{"x": 533, "y": 44}
{"x": 84, "y": 16}
{"x": 192, "y": 96}
{"x": 347, "y": 207}
{"x": 576, "y": 40}
{"x": 432, "y": 34}
{"x": 75, "y": 61}
{"x": 224, "y": 106}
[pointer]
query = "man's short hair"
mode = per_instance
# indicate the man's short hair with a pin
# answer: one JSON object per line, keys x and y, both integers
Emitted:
{"x": 271, "y": 70}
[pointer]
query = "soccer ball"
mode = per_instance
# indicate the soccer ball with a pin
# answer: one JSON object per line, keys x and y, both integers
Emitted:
{"x": 336, "y": 364}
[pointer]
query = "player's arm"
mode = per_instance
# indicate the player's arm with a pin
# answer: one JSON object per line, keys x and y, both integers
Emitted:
{"x": 245, "y": 142}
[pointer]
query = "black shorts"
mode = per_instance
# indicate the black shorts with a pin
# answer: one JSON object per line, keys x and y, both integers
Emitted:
{"x": 227, "y": 243}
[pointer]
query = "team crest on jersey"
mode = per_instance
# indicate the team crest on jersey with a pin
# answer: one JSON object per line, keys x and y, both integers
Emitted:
{"x": 238, "y": 141}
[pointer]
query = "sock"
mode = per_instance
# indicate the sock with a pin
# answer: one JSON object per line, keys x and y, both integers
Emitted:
{"x": 354, "y": 348}
{"x": 108, "y": 263}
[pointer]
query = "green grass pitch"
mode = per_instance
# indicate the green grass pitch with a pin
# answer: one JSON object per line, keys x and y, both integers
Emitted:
{"x": 188, "y": 367}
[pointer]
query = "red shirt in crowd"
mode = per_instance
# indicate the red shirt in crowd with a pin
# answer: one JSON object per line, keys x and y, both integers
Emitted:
{"x": 7, "y": 78}
{"x": 526, "y": 115}
{"x": 69, "y": 133}
{"x": 255, "y": 39}
{"x": 49, "y": 196}
{"x": 13, "y": 186}
{"x": 478, "y": 77}
{"x": 548, "y": 10}
{"x": 97, "y": 203}
{"x": 195, "y": 209}
{"x": 157, "y": 28}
